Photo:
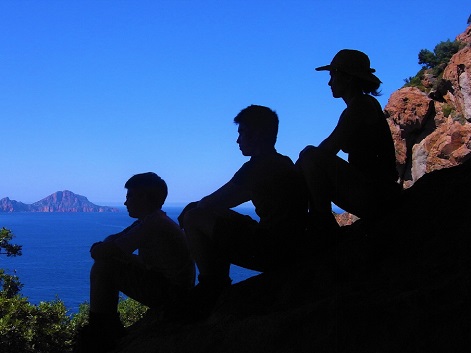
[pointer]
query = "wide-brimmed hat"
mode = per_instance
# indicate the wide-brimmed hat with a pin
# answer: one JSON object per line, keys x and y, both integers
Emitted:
{"x": 352, "y": 62}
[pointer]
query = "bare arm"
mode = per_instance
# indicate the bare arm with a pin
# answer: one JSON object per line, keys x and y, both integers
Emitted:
{"x": 332, "y": 142}
{"x": 227, "y": 196}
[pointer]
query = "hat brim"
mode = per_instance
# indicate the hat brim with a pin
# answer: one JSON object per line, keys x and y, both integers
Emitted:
{"x": 324, "y": 68}
{"x": 367, "y": 77}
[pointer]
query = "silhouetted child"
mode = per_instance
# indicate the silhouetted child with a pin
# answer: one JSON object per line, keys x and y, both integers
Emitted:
{"x": 161, "y": 272}
{"x": 219, "y": 236}
{"x": 367, "y": 184}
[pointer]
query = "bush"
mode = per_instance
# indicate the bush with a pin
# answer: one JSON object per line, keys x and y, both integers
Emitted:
{"x": 47, "y": 327}
{"x": 441, "y": 54}
{"x": 434, "y": 62}
{"x": 34, "y": 328}
{"x": 129, "y": 310}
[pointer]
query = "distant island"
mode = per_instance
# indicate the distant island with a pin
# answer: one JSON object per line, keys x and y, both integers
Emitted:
{"x": 60, "y": 201}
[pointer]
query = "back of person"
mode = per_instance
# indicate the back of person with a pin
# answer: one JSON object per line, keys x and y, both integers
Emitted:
{"x": 369, "y": 145}
{"x": 278, "y": 192}
{"x": 162, "y": 247}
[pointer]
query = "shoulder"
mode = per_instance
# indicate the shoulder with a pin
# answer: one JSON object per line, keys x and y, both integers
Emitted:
{"x": 365, "y": 108}
{"x": 365, "y": 101}
{"x": 158, "y": 221}
{"x": 269, "y": 163}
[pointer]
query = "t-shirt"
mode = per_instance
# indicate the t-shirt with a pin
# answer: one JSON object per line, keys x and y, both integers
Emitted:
{"x": 277, "y": 190}
{"x": 365, "y": 135}
{"x": 161, "y": 246}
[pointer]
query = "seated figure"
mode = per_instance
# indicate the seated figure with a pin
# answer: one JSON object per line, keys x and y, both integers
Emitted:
{"x": 219, "y": 236}
{"x": 161, "y": 272}
{"x": 366, "y": 184}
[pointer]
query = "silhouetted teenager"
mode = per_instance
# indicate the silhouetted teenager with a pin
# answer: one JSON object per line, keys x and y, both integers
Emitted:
{"x": 219, "y": 236}
{"x": 161, "y": 272}
{"x": 367, "y": 184}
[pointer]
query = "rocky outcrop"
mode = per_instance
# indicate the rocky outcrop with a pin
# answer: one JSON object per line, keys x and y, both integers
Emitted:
{"x": 432, "y": 129}
{"x": 60, "y": 201}
{"x": 7, "y": 205}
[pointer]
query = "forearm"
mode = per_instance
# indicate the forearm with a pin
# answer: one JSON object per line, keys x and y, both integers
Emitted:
{"x": 228, "y": 196}
{"x": 112, "y": 237}
{"x": 104, "y": 250}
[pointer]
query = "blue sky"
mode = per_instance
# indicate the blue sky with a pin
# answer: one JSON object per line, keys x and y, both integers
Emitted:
{"x": 92, "y": 92}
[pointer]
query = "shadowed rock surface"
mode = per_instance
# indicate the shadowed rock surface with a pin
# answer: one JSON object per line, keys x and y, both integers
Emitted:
{"x": 400, "y": 284}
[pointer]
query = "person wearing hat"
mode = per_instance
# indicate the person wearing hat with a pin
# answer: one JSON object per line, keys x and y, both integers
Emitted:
{"x": 367, "y": 183}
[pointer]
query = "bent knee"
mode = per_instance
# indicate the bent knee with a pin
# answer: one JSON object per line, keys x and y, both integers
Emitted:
{"x": 193, "y": 218}
{"x": 309, "y": 156}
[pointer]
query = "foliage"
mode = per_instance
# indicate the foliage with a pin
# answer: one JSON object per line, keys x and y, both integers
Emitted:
{"x": 46, "y": 327}
{"x": 434, "y": 62}
{"x": 10, "y": 284}
{"x": 25, "y": 327}
{"x": 416, "y": 81}
{"x": 447, "y": 110}
{"x": 6, "y": 248}
{"x": 130, "y": 312}
{"x": 440, "y": 57}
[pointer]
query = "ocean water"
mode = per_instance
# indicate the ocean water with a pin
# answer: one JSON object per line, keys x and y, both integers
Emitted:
{"x": 56, "y": 260}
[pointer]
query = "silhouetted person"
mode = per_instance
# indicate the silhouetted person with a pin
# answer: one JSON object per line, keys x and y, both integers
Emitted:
{"x": 160, "y": 273}
{"x": 367, "y": 183}
{"x": 219, "y": 236}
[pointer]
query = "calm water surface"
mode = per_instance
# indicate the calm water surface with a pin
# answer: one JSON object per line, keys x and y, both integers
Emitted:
{"x": 56, "y": 260}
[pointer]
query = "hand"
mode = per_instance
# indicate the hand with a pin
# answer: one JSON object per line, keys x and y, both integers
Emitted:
{"x": 188, "y": 207}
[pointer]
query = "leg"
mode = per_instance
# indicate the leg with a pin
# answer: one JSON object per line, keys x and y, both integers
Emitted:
{"x": 331, "y": 179}
{"x": 109, "y": 277}
{"x": 199, "y": 226}
{"x": 104, "y": 294}
{"x": 105, "y": 327}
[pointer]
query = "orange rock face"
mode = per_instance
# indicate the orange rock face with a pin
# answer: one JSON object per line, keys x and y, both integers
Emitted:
{"x": 433, "y": 131}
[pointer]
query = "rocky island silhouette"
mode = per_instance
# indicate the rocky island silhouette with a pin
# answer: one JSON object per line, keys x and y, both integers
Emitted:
{"x": 60, "y": 201}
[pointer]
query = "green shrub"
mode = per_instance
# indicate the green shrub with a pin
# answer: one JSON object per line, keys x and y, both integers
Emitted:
{"x": 447, "y": 110}
{"x": 434, "y": 62}
{"x": 42, "y": 328}
{"x": 46, "y": 327}
{"x": 130, "y": 312}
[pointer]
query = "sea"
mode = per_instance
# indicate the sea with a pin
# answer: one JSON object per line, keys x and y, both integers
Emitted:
{"x": 55, "y": 261}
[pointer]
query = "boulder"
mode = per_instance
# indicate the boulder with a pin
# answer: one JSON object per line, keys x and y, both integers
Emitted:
{"x": 431, "y": 130}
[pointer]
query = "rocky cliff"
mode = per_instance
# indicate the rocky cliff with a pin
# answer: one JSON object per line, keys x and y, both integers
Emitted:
{"x": 432, "y": 127}
{"x": 399, "y": 284}
{"x": 60, "y": 201}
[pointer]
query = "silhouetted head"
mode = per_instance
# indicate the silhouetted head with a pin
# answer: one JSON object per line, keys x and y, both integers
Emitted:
{"x": 258, "y": 129}
{"x": 356, "y": 65}
{"x": 146, "y": 193}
